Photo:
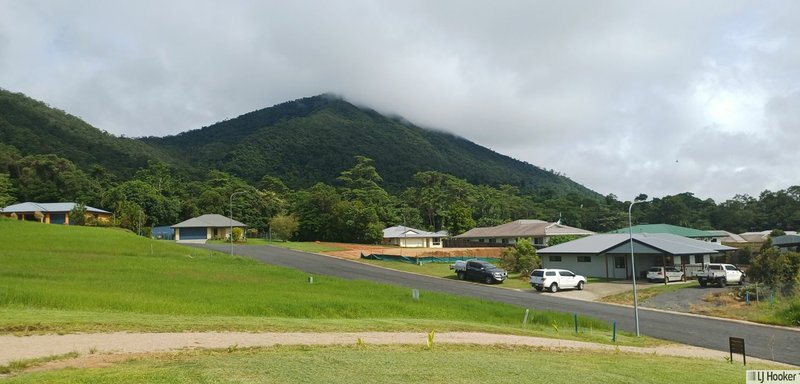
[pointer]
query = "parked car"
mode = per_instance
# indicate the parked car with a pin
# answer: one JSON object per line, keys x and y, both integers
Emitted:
{"x": 720, "y": 274}
{"x": 555, "y": 279}
{"x": 480, "y": 271}
{"x": 662, "y": 273}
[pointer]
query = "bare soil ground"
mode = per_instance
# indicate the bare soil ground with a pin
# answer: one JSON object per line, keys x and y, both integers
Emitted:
{"x": 103, "y": 349}
{"x": 354, "y": 251}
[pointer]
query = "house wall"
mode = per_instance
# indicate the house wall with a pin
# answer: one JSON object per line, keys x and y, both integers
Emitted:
{"x": 600, "y": 264}
{"x": 415, "y": 242}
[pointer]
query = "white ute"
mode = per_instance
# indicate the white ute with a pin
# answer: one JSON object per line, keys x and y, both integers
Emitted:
{"x": 555, "y": 279}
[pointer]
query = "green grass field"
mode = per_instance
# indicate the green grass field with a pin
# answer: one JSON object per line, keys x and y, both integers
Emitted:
{"x": 446, "y": 364}
{"x": 60, "y": 279}
{"x": 294, "y": 245}
{"x": 70, "y": 279}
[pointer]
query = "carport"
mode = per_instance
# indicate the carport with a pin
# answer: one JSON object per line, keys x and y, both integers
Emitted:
{"x": 609, "y": 255}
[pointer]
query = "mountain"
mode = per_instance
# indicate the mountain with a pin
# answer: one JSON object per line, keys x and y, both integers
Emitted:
{"x": 31, "y": 127}
{"x": 313, "y": 139}
{"x": 302, "y": 142}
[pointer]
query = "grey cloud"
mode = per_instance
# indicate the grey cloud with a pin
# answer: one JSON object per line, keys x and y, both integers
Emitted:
{"x": 610, "y": 93}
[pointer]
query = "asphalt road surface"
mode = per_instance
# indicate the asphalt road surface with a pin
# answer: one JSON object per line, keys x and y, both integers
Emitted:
{"x": 766, "y": 342}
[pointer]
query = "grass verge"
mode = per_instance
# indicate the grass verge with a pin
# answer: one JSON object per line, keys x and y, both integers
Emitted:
{"x": 401, "y": 364}
{"x": 443, "y": 270}
{"x": 644, "y": 293}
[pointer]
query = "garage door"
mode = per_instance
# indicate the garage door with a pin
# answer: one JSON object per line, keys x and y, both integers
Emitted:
{"x": 193, "y": 233}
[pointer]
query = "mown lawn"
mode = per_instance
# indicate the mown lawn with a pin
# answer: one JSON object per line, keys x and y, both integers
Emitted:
{"x": 446, "y": 364}
{"x": 70, "y": 279}
{"x": 443, "y": 270}
{"x": 294, "y": 245}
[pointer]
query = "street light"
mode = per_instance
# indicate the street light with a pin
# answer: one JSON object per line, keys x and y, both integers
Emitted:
{"x": 633, "y": 266}
{"x": 230, "y": 218}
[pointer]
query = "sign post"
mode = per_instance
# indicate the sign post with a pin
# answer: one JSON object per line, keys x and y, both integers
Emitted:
{"x": 737, "y": 346}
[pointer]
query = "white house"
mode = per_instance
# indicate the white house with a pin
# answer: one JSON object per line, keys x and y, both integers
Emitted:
{"x": 609, "y": 255}
{"x": 205, "y": 227}
{"x": 408, "y": 237}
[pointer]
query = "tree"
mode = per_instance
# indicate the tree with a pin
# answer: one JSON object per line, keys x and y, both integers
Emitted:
{"x": 780, "y": 270}
{"x": 6, "y": 190}
{"x": 130, "y": 215}
{"x": 522, "y": 258}
{"x": 77, "y": 215}
{"x": 284, "y": 226}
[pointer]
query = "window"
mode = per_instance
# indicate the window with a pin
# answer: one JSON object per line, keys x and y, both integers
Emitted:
{"x": 437, "y": 241}
{"x": 505, "y": 241}
{"x": 619, "y": 262}
{"x": 538, "y": 240}
{"x": 550, "y": 273}
{"x": 492, "y": 240}
{"x": 567, "y": 274}
{"x": 555, "y": 258}
{"x": 584, "y": 259}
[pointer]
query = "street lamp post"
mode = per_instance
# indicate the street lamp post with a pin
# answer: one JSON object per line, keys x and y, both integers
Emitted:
{"x": 230, "y": 218}
{"x": 633, "y": 267}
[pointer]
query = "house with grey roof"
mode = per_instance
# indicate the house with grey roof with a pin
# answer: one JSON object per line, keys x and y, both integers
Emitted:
{"x": 205, "y": 227}
{"x": 760, "y": 236}
{"x": 609, "y": 255}
{"x": 537, "y": 231}
{"x": 50, "y": 213}
{"x": 408, "y": 237}
{"x": 787, "y": 242}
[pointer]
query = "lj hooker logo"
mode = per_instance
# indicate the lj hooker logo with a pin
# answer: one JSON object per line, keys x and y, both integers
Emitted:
{"x": 758, "y": 377}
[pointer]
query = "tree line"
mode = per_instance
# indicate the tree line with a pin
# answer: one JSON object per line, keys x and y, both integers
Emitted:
{"x": 356, "y": 208}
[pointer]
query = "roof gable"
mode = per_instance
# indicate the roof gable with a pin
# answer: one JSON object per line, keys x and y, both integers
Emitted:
{"x": 523, "y": 228}
{"x": 209, "y": 220}
{"x": 29, "y": 206}
{"x": 408, "y": 232}
{"x": 667, "y": 228}
{"x": 643, "y": 243}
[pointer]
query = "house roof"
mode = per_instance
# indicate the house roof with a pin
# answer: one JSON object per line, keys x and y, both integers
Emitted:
{"x": 728, "y": 237}
{"x": 667, "y": 228}
{"x": 786, "y": 240}
{"x": 523, "y": 228}
{"x": 644, "y": 242}
{"x": 210, "y": 220}
{"x": 760, "y": 236}
{"x": 400, "y": 231}
{"x": 46, "y": 207}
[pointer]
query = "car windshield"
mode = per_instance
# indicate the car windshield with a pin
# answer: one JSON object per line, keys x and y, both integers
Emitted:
{"x": 655, "y": 269}
{"x": 537, "y": 273}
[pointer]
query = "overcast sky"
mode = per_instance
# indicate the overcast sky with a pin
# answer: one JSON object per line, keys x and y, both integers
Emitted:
{"x": 624, "y": 97}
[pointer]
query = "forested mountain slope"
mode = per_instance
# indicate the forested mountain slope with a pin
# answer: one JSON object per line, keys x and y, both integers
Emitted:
{"x": 312, "y": 139}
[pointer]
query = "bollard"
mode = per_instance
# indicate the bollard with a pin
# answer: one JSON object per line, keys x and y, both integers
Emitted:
{"x": 771, "y": 298}
{"x": 747, "y": 298}
{"x": 575, "y": 320}
{"x": 311, "y": 279}
{"x": 415, "y": 294}
{"x": 525, "y": 319}
{"x": 614, "y": 332}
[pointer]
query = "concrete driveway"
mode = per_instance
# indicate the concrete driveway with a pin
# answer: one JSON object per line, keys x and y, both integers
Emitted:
{"x": 594, "y": 291}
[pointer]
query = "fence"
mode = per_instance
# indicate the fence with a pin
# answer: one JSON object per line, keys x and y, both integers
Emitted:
{"x": 422, "y": 259}
{"x": 463, "y": 243}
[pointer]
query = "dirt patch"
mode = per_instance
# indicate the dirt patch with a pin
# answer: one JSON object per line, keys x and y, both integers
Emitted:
{"x": 354, "y": 251}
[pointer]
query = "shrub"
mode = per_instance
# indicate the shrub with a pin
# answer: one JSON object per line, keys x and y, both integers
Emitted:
{"x": 238, "y": 234}
{"x": 521, "y": 259}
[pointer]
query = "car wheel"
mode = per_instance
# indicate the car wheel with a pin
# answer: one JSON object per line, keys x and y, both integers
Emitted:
{"x": 703, "y": 284}
{"x": 649, "y": 280}
{"x": 488, "y": 280}
{"x": 580, "y": 285}
{"x": 741, "y": 281}
{"x": 554, "y": 288}
{"x": 539, "y": 288}
{"x": 722, "y": 283}
{"x": 461, "y": 276}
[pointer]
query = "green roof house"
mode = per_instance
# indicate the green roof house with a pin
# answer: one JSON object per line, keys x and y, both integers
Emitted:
{"x": 674, "y": 230}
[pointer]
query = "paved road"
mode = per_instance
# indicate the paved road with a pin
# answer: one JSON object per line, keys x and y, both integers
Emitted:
{"x": 772, "y": 343}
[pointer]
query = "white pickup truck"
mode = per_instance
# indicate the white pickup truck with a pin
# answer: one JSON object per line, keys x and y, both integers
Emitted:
{"x": 720, "y": 274}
